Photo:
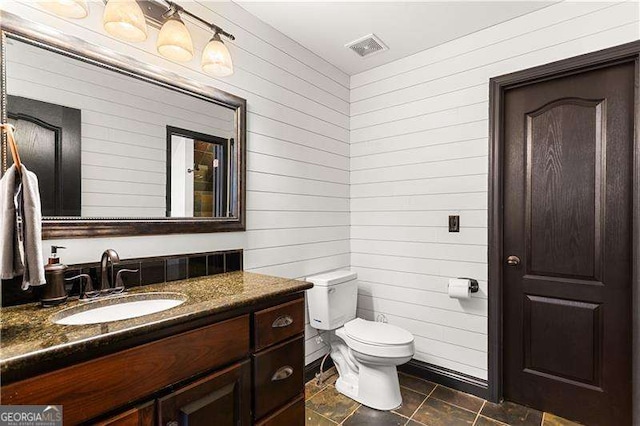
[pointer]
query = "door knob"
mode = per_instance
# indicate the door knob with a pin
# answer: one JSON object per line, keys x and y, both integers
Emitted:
{"x": 513, "y": 260}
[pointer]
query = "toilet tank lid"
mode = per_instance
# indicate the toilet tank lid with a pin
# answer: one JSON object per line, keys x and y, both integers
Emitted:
{"x": 332, "y": 278}
{"x": 377, "y": 333}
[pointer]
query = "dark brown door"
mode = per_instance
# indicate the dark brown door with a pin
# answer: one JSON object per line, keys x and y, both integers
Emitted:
{"x": 567, "y": 245}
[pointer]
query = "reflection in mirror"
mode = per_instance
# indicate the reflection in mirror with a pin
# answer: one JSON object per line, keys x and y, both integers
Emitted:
{"x": 197, "y": 181}
{"x": 107, "y": 144}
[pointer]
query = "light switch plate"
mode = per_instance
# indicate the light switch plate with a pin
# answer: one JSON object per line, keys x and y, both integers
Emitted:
{"x": 454, "y": 223}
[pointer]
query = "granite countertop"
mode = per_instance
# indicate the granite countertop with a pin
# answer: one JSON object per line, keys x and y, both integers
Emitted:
{"x": 29, "y": 336}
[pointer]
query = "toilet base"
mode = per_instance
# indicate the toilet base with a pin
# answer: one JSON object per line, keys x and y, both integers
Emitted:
{"x": 376, "y": 388}
{"x": 375, "y": 385}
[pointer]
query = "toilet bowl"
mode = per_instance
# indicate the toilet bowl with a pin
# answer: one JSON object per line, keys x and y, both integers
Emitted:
{"x": 365, "y": 353}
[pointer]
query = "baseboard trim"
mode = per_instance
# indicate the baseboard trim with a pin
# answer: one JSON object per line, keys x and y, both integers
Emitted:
{"x": 445, "y": 377}
{"x": 313, "y": 368}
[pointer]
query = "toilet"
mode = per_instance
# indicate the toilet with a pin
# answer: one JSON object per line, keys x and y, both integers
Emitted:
{"x": 365, "y": 353}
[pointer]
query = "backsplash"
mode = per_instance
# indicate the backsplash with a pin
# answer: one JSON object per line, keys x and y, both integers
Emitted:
{"x": 151, "y": 270}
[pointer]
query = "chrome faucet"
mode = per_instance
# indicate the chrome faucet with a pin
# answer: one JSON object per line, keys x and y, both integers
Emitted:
{"x": 109, "y": 255}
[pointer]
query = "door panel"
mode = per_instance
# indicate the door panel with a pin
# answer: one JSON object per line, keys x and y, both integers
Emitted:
{"x": 567, "y": 216}
{"x": 550, "y": 349}
{"x": 564, "y": 162}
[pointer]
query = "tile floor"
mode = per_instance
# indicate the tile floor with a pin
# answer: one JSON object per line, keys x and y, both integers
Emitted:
{"x": 424, "y": 404}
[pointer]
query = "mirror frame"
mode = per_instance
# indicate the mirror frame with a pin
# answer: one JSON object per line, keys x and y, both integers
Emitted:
{"x": 20, "y": 29}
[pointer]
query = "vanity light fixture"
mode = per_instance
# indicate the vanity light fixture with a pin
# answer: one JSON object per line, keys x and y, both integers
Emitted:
{"x": 76, "y": 9}
{"x": 174, "y": 41}
{"x": 124, "y": 19}
{"x": 216, "y": 59}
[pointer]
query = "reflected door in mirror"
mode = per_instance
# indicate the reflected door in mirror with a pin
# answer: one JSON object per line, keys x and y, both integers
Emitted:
{"x": 49, "y": 145}
{"x": 198, "y": 174}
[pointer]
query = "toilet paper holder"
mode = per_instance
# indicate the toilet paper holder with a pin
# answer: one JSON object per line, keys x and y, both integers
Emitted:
{"x": 473, "y": 284}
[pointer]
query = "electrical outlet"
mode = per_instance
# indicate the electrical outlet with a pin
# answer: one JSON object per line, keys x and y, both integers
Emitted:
{"x": 454, "y": 223}
{"x": 319, "y": 340}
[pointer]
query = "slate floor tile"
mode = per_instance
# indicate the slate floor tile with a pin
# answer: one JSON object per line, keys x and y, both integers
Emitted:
{"x": 418, "y": 385}
{"x": 332, "y": 404}
{"x": 439, "y": 413}
{"x": 512, "y": 414}
{"x": 553, "y": 420}
{"x": 314, "y": 419}
{"x": 464, "y": 400}
{"x": 365, "y": 416}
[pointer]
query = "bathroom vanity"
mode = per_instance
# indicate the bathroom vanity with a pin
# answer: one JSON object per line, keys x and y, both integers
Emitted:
{"x": 231, "y": 354}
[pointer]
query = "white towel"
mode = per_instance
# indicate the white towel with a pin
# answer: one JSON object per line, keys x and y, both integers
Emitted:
{"x": 21, "y": 228}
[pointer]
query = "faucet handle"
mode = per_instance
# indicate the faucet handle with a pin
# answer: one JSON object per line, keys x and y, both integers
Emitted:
{"x": 119, "y": 283}
{"x": 86, "y": 290}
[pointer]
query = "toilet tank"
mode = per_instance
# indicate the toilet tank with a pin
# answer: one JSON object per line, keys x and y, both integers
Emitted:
{"x": 332, "y": 300}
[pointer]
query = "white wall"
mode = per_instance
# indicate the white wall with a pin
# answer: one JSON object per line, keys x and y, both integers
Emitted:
{"x": 419, "y": 152}
{"x": 298, "y": 150}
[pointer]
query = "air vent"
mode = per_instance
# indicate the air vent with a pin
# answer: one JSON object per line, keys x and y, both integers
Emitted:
{"x": 367, "y": 45}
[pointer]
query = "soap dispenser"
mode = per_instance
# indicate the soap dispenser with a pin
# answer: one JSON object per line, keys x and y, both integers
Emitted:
{"x": 54, "y": 292}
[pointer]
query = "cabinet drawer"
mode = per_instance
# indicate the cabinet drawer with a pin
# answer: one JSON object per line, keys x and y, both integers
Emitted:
{"x": 291, "y": 415}
{"x": 278, "y": 375}
{"x": 276, "y": 324}
{"x": 92, "y": 388}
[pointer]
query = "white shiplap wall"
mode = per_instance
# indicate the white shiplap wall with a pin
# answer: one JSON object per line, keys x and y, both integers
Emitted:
{"x": 123, "y": 126}
{"x": 419, "y": 152}
{"x": 298, "y": 147}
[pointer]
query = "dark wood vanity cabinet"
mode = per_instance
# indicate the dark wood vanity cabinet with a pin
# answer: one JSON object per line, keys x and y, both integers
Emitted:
{"x": 210, "y": 375}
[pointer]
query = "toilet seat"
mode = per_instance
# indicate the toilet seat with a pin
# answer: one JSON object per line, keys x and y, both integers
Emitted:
{"x": 377, "y": 339}
{"x": 377, "y": 333}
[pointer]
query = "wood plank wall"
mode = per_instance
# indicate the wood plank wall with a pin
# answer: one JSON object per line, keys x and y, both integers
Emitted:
{"x": 419, "y": 152}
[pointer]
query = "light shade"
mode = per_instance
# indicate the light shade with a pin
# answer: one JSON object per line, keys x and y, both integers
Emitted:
{"x": 76, "y": 9}
{"x": 124, "y": 19}
{"x": 174, "y": 40}
{"x": 216, "y": 59}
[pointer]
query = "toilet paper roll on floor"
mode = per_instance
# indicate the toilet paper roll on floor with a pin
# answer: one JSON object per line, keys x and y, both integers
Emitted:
{"x": 460, "y": 288}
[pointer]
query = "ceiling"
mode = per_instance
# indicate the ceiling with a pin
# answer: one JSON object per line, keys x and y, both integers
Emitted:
{"x": 405, "y": 27}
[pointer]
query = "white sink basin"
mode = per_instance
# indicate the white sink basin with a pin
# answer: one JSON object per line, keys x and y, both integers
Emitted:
{"x": 118, "y": 308}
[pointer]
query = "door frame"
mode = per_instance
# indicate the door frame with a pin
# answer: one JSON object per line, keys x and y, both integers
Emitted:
{"x": 497, "y": 88}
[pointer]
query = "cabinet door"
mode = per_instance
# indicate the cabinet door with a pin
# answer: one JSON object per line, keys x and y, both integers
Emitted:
{"x": 139, "y": 416}
{"x": 222, "y": 399}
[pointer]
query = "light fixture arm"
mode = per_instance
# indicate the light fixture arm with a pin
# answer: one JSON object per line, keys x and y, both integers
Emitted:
{"x": 176, "y": 8}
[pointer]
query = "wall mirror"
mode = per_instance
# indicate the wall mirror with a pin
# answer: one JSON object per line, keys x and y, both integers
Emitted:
{"x": 120, "y": 147}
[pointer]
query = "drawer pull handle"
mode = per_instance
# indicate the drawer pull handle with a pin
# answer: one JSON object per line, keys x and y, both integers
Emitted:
{"x": 282, "y": 373}
{"x": 282, "y": 321}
